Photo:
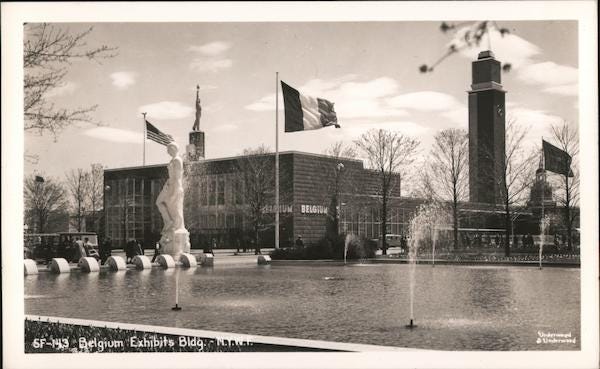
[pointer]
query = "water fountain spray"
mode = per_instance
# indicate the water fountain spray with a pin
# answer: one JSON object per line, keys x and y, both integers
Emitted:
{"x": 176, "y": 307}
{"x": 425, "y": 224}
{"x": 350, "y": 238}
{"x": 544, "y": 222}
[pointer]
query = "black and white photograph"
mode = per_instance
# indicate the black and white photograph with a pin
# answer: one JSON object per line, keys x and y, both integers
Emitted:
{"x": 336, "y": 184}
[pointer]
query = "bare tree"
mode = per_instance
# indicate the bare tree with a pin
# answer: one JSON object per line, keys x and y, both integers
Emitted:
{"x": 449, "y": 167}
{"x": 341, "y": 182}
{"x": 388, "y": 153}
{"x": 467, "y": 35}
{"x": 514, "y": 174}
{"x": 95, "y": 192}
{"x": 424, "y": 187}
{"x": 566, "y": 138}
{"x": 43, "y": 198}
{"x": 78, "y": 185}
{"x": 340, "y": 150}
{"x": 256, "y": 171}
{"x": 48, "y": 51}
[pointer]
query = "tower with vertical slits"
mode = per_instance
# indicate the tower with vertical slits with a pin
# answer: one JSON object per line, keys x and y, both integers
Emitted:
{"x": 486, "y": 130}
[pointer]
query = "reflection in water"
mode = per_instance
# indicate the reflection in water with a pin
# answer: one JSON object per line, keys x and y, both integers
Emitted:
{"x": 460, "y": 308}
{"x": 490, "y": 289}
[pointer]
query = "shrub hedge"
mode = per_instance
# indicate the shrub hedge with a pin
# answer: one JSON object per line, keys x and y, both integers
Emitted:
{"x": 329, "y": 247}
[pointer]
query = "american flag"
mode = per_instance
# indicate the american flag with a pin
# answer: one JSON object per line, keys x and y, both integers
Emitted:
{"x": 154, "y": 134}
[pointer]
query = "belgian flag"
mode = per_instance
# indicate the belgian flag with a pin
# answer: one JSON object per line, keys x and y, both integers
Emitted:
{"x": 304, "y": 113}
{"x": 556, "y": 160}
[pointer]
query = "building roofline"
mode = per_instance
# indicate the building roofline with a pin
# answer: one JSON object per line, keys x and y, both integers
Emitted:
{"x": 236, "y": 157}
{"x": 135, "y": 167}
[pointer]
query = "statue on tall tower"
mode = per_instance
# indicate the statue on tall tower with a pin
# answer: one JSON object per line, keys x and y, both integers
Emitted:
{"x": 195, "y": 149}
{"x": 196, "y": 126}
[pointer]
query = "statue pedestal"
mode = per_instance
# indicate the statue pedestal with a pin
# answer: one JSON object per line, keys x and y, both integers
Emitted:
{"x": 175, "y": 242}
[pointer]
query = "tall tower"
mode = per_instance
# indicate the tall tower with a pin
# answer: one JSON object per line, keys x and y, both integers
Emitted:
{"x": 195, "y": 149}
{"x": 486, "y": 130}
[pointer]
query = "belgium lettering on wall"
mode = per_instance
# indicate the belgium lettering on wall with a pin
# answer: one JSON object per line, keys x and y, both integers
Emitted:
{"x": 313, "y": 209}
{"x": 282, "y": 209}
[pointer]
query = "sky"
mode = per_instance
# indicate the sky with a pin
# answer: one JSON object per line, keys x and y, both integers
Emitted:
{"x": 370, "y": 70}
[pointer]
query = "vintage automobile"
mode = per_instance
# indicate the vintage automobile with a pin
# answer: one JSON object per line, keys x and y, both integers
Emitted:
{"x": 45, "y": 246}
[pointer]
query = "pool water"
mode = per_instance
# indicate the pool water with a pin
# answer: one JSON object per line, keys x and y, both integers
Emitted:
{"x": 456, "y": 307}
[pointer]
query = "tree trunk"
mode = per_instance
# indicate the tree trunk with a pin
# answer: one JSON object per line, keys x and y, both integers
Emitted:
{"x": 507, "y": 229}
{"x": 41, "y": 223}
{"x": 384, "y": 225}
{"x": 568, "y": 221}
{"x": 455, "y": 221}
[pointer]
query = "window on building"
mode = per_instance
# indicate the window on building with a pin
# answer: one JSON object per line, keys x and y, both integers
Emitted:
{"x": 239, "y": 191}
{"x": 202, "y": 191}
{"x": 239, "y": 221}
{"x": 212, "y": 198}
{"x": 221, "y": 191}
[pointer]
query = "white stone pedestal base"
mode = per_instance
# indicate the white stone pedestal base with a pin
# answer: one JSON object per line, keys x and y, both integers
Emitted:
{"x": 188, "y": 260}
{"x": 88, "y": 265}
{"x": 264, "y": 260}
{"x": 30, "y": 267}
{"x": 141, "y": 262}
{"x": 59, "y": 265}
{"x": 175, "y": 242}
{"x": 207, "y": 260}
{"x": 116, "y": 263}
{"x": 165, "y": 261}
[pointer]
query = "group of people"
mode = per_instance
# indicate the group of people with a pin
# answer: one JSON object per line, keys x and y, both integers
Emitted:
{"x": 132, "y": 249}
{"x": 84, "y": 249}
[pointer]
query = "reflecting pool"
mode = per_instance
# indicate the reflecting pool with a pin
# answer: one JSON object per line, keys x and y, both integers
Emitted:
{"x": 456, "y": 307}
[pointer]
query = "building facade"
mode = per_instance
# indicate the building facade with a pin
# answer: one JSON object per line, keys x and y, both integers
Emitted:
{"x": 220, "y": 197}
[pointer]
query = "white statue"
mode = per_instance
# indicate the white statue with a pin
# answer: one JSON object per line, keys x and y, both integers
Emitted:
{"x": 175, "y": 238}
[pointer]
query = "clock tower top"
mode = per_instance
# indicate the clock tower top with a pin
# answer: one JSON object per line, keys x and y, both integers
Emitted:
{"x": 486, "y": 72}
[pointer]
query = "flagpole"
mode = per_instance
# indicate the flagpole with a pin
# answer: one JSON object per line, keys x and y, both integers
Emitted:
{"x": 543, "y": 177}
{"x": 276, "y": 160}
{"x": 543, "y": 224}
{"x": 144, "y": 141}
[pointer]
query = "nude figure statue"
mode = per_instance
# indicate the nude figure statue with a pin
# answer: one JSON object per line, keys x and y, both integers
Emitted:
{"x": 170, "y": 199}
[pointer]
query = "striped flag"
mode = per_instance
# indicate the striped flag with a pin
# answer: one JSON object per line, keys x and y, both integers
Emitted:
{"x": 154, "y": 134}
{"x": 304, "y": 113}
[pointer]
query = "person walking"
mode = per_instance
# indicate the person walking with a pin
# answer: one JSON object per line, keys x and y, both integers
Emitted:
{"x": 299, "y": 242}
{"x": 139, "y": 250}
{"x": 105, "y": 250}
{"x": 79, "y": 250}
{"x": 156, "y": 251}
{"x": 89, "y": 249}
{"x": 130, "y": 250}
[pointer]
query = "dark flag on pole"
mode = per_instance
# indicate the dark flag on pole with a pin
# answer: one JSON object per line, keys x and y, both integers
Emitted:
{"x": 304, "y": 113}
{"x": 154, "y": 134}
{"x": 556, "y": 160}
